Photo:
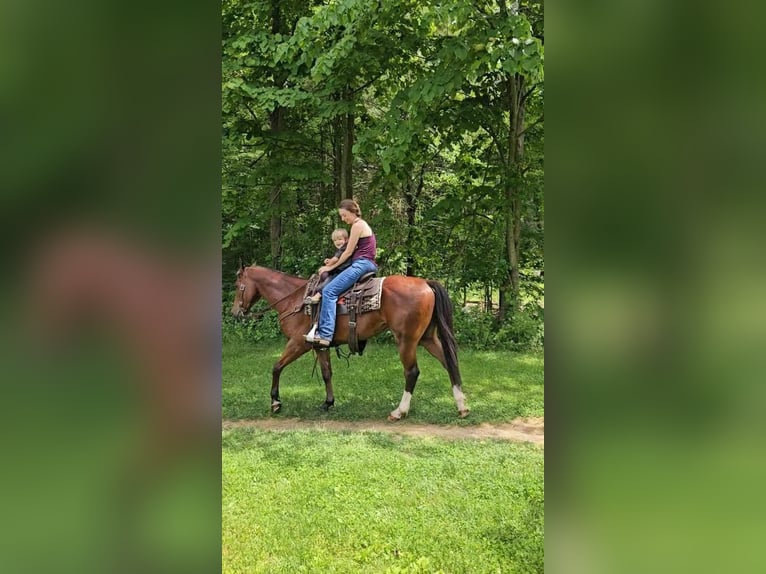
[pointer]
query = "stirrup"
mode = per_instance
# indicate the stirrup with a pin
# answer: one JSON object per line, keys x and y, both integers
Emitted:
{"x": 317, "y": 342}
{"x": 309, "y": 337}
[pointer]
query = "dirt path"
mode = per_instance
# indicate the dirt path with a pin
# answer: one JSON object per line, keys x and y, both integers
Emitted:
{"x": 527, "y": 429}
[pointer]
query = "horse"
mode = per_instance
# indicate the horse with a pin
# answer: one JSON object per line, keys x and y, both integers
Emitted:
{"x": 417, "y": 311}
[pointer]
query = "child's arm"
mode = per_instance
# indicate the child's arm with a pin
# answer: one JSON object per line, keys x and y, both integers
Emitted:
{"x": 330, "y": 261}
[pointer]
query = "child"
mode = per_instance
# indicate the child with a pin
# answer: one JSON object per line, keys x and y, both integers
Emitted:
{"x": 340, "y": 239}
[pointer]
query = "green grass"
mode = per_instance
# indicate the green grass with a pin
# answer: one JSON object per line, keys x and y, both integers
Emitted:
{"x": 499, "y": 386}
{"x": 322, "y": 501}
{"x": 308, "y": 501}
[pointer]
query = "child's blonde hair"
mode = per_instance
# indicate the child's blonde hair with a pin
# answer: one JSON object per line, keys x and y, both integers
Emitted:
{"x": 340, "y": 232}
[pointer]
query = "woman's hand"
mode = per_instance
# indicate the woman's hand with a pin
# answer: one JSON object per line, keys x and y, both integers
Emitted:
{"x": 323, "y": 269}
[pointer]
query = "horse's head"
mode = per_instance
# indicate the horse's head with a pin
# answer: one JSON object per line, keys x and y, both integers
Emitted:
{"x": 247, "y": 294}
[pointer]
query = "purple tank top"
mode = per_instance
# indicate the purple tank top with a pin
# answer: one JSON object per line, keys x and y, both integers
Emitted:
{"x": 365, "y": 248}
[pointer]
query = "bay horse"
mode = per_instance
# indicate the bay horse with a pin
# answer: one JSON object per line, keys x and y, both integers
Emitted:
{"x": 417, "y": 311}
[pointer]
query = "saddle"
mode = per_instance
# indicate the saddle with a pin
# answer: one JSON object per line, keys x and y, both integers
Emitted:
{"x": 362, "y": 297}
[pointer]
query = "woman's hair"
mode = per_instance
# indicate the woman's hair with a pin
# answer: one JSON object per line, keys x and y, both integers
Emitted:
{"x": 340, "y": 232}
{"x": 351, "y": 206}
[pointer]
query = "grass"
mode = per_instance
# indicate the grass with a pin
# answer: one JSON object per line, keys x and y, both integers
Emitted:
{"x": 323, "y": 501}
{"x": 303, "y": 501}
{"x": 499, "y": 386}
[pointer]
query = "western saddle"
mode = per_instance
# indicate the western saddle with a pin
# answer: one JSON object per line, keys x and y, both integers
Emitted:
{"x": 362, "y": 297}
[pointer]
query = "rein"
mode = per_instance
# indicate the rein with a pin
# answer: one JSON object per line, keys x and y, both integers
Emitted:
{"x": 296, "y": 309}
{"x": 285, "y": 314}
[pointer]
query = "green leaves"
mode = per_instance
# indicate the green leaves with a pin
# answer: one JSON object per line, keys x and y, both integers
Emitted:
{"x": 426, "y": 86}
{"x": 233, "y": 231}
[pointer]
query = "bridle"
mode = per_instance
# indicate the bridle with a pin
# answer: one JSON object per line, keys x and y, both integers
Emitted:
{"x": 241, "y": 297}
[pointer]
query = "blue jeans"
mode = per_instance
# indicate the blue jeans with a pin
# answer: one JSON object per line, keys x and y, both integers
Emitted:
{"x": 339, "y": 284}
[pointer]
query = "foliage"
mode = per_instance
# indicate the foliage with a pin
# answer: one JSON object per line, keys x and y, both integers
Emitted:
{"x": 474, "y": 328}
{"x": 524, "y": 330}
{"x": 479, "y": 330}
{"x": 417, "y": 95}
{"x": 264, "y": 327}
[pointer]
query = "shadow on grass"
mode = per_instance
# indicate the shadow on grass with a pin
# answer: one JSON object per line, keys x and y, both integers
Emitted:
{"x": 309, "y": 448}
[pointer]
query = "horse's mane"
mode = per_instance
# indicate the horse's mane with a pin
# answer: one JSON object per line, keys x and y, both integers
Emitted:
{"x": 293, "y": 278}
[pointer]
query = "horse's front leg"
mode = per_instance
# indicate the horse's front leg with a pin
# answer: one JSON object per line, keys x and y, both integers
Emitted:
{"x": 294, "y": 349}
{"x": 408, "y": 356}
{"x": 323, "y": 357}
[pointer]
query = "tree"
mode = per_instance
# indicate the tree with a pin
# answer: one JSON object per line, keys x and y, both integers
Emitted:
{"x": 430, "y": 113}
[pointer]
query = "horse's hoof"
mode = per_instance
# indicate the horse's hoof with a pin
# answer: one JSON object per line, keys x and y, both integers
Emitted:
{"x": 325, "y": 406}
{"x": 276, "y": 407}
{"x": 464, "y": 413}
{"x": 393, "y": 419}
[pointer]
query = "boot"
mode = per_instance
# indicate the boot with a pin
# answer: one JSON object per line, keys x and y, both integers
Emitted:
{"x": 309, "y": 338}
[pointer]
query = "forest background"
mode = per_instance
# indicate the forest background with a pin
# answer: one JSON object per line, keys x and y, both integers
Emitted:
{"x": 429, "y": 113}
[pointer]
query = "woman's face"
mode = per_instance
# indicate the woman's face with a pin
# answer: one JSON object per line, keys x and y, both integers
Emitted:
{"x": 346, "y": 216}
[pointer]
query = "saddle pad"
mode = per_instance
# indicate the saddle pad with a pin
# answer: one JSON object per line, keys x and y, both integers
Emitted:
{"x": 371, "y": 295}
{"x": 372, "y": 291}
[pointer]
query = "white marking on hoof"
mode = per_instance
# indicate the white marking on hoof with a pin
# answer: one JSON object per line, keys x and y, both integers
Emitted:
{"x": 404, "y": 404}
{"x": 464, "y": 413}
{"x": 403, "y": 408}
{"x": 460, "y": 401}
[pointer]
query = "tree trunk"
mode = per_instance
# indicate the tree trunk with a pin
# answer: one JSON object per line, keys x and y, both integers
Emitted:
{"x": 322, "y": 188}
{"x": 347, "y": 154}
{"x": 411, "y": 202}
{"x": 488, "y": 298}
{"x": 509, "y": 290}
{"x": 337, "y": 146}
{"x": 411, "y": 208}
{"x": 275, "y": 199}
{"x": 276, "y": 121}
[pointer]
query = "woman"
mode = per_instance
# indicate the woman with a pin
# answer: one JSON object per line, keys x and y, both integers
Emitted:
{"x": 361, "y": 250}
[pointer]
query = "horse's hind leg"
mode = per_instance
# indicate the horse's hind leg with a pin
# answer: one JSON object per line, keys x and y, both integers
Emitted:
{"x": 323, "y": 356}
{"x": 408, "y": 356}
{"x": 433, "y": 345}
{"x": 294, "y": 349}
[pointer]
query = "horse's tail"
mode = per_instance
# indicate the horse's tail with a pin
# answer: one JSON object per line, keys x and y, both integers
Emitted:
{"x": 442, "y": 319}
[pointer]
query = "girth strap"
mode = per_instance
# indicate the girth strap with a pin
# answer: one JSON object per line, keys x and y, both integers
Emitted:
{"x": 352, "y": 302}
